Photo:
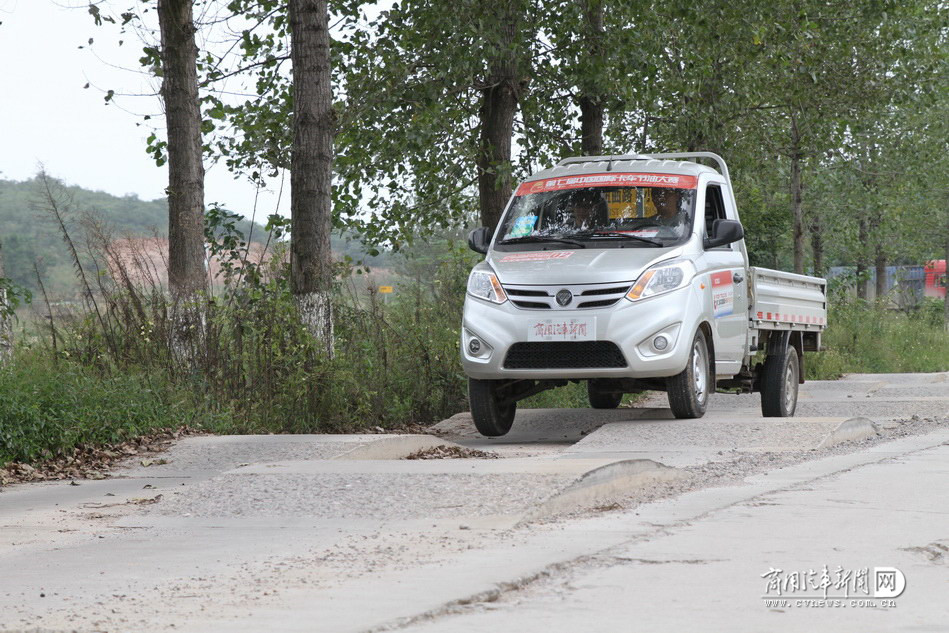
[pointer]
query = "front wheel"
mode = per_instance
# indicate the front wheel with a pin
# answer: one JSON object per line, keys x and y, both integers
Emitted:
{"x": 688, "y": 390}
{"x": 491, "y": 416}
{"x": 779, "y": 384}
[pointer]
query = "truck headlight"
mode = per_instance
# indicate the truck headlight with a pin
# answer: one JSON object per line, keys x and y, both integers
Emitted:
{"x": 485, "y": 285}
{"x": 662, "y": 278}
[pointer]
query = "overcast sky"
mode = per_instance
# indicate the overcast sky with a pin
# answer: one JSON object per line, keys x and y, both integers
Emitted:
{"x": 46, "y": 116}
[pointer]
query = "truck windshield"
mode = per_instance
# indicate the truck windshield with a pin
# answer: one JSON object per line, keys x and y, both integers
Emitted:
{"x": 662, "y": 215}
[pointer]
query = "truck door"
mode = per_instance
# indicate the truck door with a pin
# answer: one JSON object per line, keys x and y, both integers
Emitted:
{"x": 726, "y": 272}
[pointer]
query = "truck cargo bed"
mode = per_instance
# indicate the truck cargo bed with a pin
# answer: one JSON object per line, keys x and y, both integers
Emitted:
{"x": 787, "y": 301}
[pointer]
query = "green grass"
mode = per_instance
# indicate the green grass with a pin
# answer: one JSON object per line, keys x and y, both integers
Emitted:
{"x": 48, "y": 408}
{"x": 865, "y": 338}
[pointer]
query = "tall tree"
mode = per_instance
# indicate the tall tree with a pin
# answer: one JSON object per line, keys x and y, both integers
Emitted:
{"x": 407, "y": 139}
{"x": 6, "y": 330}
{"x": 822, "y": 66}
{"x": 695, "y": 68}
{"x": 500, "y": 94}
{"x": 432, "y": 102}
{"x": 179, "y": 90}
{"x": 311, "y": 168}
{"x": 591, "y": 96}
{"x": 576, "y": 75}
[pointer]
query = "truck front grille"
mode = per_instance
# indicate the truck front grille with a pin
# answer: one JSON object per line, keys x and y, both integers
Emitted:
{"x": 585, "y": 296}
{"x": 564, "y": 355}
{"x": 597, "y": 304}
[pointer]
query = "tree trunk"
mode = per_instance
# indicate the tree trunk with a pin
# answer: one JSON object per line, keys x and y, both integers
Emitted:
{"x": 591, "y": 100}
{"x": 186, "y": 275}
{"x": 879, "y": 264}
{"x": 6, "y": 327}
{"x": 945, "y": 309}
{"x": 498, "y": 106}
{"x": 591, "y": 126}
{"x": 863, "y": 282}
{"x": 817, "y": 244}
{"x": 311, "y": 167}
{"x": 796, "y": 190}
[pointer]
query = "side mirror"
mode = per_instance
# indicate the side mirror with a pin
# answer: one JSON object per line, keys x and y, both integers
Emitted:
{"x": 724, "y": 232}
{"x": 479, "y": 240}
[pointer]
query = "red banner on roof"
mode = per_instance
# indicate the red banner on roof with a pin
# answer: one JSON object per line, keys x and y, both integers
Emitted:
{"x": 677, "y": 181}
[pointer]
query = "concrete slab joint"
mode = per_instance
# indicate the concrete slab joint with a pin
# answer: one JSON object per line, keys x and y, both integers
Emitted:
{"x": 605, "y": 485}
{"x": 850, "y": 430}
{"x": 395, "y": 447}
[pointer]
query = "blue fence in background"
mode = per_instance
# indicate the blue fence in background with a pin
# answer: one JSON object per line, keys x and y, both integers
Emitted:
{"x": 903, "y": 284}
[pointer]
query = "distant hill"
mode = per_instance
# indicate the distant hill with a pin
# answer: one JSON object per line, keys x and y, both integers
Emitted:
{"x": 29, "y": 234}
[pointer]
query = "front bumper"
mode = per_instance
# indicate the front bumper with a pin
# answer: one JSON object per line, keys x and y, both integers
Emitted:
{"x": 630, "y": 325}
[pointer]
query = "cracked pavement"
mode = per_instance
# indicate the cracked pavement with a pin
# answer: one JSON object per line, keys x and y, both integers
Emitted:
{"x": 278, "y": 533}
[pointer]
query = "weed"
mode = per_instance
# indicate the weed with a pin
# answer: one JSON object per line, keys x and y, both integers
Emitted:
{"x": 864, "y": 337}
{"x": 48, "y": 407}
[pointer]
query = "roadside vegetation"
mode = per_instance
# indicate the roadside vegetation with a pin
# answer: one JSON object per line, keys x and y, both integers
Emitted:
{"x": 395, "y": 366}
{"x": 52, "y": 405}
{"x": 108, "y": 370}
{"x": 107, "y": 373}
{"x": 869, "y": 337}
{"x": 833, "y": 119}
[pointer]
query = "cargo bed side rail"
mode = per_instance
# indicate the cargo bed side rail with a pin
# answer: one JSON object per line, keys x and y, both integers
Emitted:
{"x": 787, "y": 301}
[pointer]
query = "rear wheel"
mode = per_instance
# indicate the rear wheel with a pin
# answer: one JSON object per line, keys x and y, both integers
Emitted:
{"x": 491, "y": 417}
{"x": 688, "y": 391}
{"x": 601, "y": 397}
{"x": 780, "y": 380}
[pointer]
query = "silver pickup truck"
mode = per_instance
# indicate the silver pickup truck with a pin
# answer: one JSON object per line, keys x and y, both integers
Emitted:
{"x": 631, "y": 273}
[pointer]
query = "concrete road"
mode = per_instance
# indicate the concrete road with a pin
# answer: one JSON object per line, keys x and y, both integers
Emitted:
{"x": 615, "y": 516}
{"x": 756, "y": 562}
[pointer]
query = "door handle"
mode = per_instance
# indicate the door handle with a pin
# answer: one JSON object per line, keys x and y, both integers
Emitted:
{"x": 737, "y": 278}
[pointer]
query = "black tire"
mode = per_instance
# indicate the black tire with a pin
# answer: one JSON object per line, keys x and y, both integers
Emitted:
{"x": 490, "y": 418}
{"x": 780, "y": 379}
{"x": 600, "y": 399}
{"x": 689, "y": 390}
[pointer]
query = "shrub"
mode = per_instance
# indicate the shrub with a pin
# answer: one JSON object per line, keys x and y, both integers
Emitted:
{"x": 50, "y": 407}
{"x": 864, "y": 337}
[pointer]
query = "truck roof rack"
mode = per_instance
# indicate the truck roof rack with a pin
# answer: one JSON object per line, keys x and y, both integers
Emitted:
{"x": 595, "y": 159}
{"x": 722, "y": 167}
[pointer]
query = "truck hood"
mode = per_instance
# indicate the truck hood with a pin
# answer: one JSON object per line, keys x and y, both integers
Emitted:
{"x": 575, "y": 266}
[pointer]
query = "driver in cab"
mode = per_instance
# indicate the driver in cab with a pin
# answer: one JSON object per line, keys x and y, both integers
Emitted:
{"x": 585, "y": 209}
{"x": 668, "y": 211}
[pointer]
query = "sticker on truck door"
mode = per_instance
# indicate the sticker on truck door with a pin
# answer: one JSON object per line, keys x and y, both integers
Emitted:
{"x": 723, "y": 293}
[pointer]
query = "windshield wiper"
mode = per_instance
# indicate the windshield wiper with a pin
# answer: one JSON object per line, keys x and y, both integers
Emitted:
{"x": 614, "y": 234}
{"x": 540, "y": 238}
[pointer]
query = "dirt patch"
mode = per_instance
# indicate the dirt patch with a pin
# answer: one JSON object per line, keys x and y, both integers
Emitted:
{"x": 934, "y": 552}
{"x": 451, "y": 452}
{"x": 95, "y": 462}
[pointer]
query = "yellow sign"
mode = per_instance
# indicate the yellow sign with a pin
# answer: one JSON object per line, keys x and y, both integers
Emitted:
{"x": 621, "y": 203}
{"x": 385, "y": 290}
{"x": 649, "y": 207}
{"x": 629, "y": 202}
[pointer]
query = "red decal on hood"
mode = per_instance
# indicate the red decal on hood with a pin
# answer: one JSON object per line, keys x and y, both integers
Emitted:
{"x": 536, "y": 256}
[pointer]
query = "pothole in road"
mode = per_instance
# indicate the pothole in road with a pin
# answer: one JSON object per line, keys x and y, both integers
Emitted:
{"x": 451, "y": 452}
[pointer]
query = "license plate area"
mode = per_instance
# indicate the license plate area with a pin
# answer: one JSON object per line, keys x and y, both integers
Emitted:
{"x": 562, "y": 329}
